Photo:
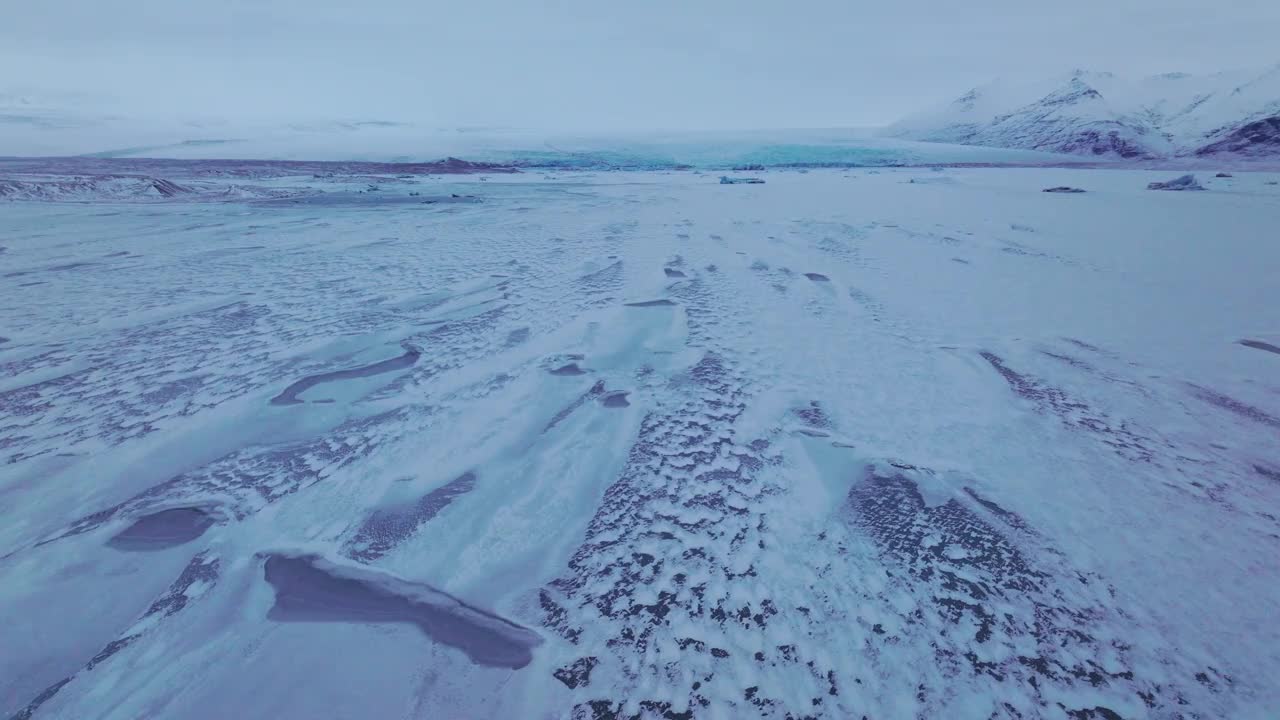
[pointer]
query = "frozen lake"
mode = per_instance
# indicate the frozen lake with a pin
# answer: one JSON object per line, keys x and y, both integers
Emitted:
{"x": 894, "y": 443}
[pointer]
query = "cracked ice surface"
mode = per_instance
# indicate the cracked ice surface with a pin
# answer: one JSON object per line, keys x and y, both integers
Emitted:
{"x": 629, "y": 445}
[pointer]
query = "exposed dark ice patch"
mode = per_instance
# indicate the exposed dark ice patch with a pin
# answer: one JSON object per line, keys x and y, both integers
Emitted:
{"x": 813, "y": 415}
{"x": 1020, "y": 384}
{"x": 1007, "y": 516}
{"x": 621, "y": 591}
{"x": 1260, "y": 345}
{"x": 70, "y": 266}
{"x": 577, "y": 674}
{"x": 87, "y": 523}
{"x": 1063, "y": 189}
{"x": 223, "y": 252}
{"x": 962, "y": 261}
{"x": 253, "y": 477}
{"x": 673, "y": 273}
{"x": 1094, "y": 713}
{"x": 615, "y": 400}
{"x": 1072, "y": 412}
{"x": 868, "y": 303}
{"x": 891, "y": 509}
{"x": 51, "y": 268}
{"x": 44, "y": 697}
{"x": 195, "y": 580}
{"x": 995, "y": 612}
{"x": 385, "y": 528}
{"x": 812, "y": 432}
{"x": 291, "y": 393}
{"x": 817, "y": 277}
{"x": 651, "y": 303}
{"x": 1267, "y": 472}
{"x": 570, "y": 369}
{"x": 1244, "y": 410}
{"x": 26, "y": 401}
{"x": 1080, "y": 343}
{"x": 1072, "y": 361}
{"x": 163, "y": 530}
{"x": 1023, "y": 251}
{"x": 309, "y": 589}
{"x": 596, "y": 391}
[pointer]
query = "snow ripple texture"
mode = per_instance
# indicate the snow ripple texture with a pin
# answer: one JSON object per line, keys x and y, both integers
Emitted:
{"x": 846, "y": 444}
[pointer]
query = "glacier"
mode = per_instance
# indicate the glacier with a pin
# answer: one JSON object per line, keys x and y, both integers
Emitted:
{"x": 889, "y": 442}
{"x": 58, "y": 132}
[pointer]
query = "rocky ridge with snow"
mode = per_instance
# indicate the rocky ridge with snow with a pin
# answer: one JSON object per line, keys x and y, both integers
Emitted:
{"x": 1101, "y": 114}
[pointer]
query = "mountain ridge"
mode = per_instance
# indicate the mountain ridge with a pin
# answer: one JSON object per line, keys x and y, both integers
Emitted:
{"x": 1101, "y": 114}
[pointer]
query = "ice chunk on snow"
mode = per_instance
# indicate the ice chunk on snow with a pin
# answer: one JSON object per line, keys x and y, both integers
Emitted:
{"x": 1186, "y": 182}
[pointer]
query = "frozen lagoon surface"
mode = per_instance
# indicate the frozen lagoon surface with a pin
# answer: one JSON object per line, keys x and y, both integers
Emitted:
{"x": 946, "y": 448}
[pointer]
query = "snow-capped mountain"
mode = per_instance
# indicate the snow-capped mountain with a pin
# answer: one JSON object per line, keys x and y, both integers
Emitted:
{"x": 1090, "y": 113}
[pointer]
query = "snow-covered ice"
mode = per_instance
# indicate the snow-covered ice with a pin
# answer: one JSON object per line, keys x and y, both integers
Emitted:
{"x": 1180, "y": 183}
{"x": 895, "y": 444}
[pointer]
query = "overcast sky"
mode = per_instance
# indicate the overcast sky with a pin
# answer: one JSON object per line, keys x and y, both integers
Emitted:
{"x": 582, "y": 64}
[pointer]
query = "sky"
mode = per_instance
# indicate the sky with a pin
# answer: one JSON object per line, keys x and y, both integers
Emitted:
{"x": 602, "y": 65}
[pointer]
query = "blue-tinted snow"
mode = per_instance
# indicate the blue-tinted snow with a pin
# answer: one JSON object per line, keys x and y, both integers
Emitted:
{"x": 936, "y": 449}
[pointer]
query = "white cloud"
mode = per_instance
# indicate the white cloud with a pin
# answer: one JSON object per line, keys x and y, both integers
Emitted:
{"x": 574, "y": 64}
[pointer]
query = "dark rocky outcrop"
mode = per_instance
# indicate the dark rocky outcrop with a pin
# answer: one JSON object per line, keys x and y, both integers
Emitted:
{"x": 1260, "y": 137}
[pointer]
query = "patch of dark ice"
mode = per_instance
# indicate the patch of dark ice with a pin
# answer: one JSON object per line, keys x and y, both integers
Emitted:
{"x": 309, "y": 588}
{"x": 162, "y": 530}
{"x": 291, "y": 393}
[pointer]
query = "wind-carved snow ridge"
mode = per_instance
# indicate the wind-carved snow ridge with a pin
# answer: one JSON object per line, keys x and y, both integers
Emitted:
{"x": 640, "y": 445}
{"x": 196, "y": 580}
{"x": 1072, "y": 412}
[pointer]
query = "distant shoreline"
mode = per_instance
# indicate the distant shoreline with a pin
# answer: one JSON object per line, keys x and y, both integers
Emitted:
{"x": 259, "y": 168}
